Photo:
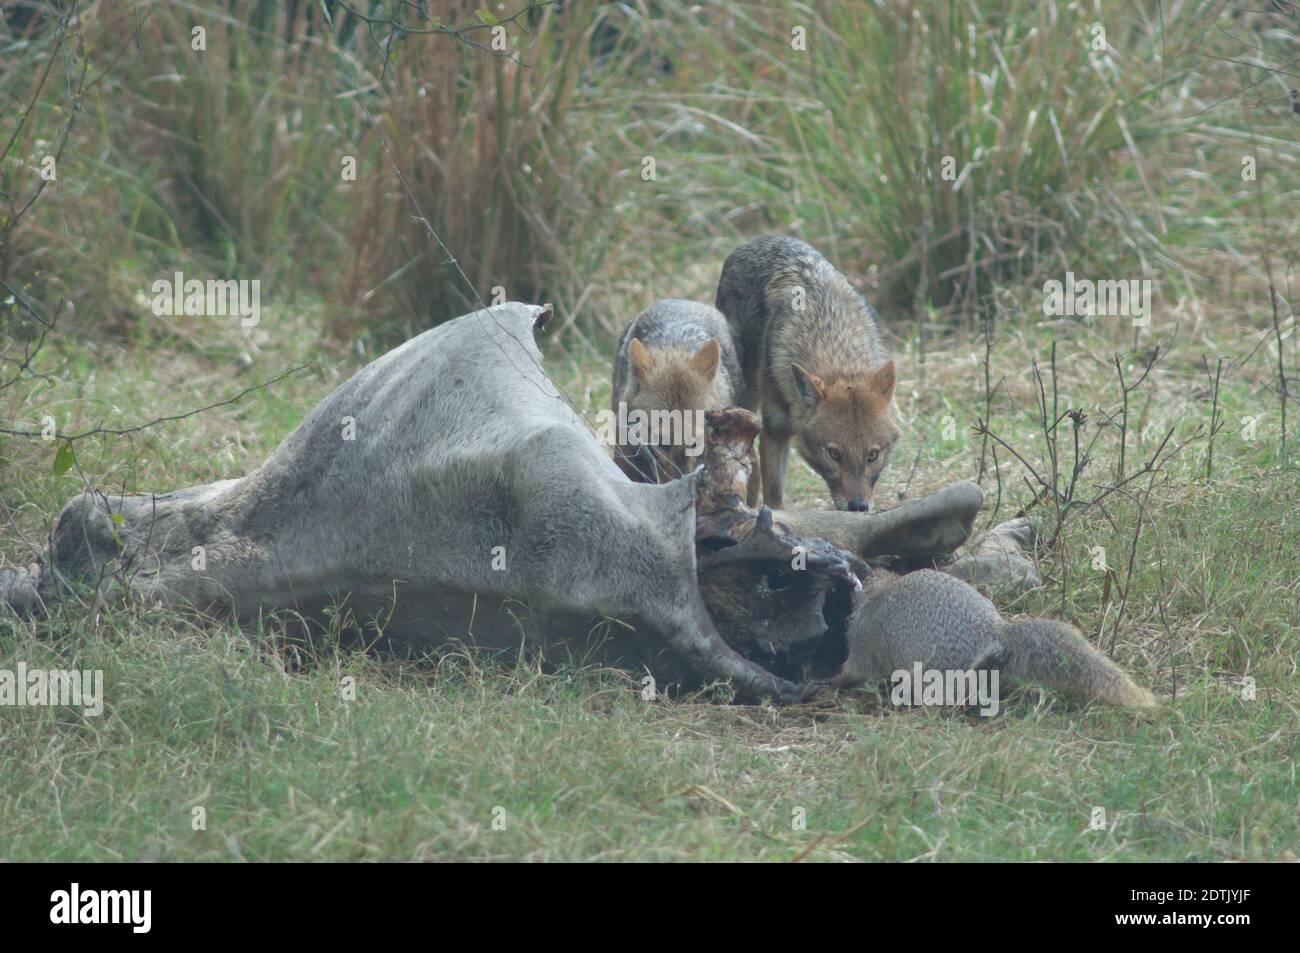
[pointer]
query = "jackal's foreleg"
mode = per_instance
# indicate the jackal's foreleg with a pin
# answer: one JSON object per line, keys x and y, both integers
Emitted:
{"x": 774, "y": 452}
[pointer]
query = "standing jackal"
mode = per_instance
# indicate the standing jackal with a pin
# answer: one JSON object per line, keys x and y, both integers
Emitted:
{"x": 674, "y": 362}
{"x": 815, "y": 368}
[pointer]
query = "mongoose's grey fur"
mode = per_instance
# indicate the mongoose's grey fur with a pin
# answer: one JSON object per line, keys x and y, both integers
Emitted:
{"x": 943, "y": 623}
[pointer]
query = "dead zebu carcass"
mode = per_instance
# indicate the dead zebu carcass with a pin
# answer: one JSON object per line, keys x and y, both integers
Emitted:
{"x": 448, "y": 493}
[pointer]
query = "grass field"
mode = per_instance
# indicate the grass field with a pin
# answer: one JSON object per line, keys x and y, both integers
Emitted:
{"x": 1128, "y": 165}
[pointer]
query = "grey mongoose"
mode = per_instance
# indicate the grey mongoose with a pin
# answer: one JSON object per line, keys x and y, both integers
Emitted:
{"x": 943, "y": 623}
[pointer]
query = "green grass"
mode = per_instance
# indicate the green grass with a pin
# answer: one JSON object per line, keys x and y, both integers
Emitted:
{"x": 416, "y": 765}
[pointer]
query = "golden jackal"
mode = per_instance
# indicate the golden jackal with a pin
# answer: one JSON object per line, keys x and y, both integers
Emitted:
{"x": 814, "y": 365}
{"x": 674, "y": 362}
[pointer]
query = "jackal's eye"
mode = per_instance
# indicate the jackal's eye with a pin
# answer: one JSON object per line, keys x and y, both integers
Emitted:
{"x": 834, "y": 454}
{"x": 872, "y": 456}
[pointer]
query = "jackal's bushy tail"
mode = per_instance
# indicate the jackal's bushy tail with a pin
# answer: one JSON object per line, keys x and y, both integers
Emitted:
{"x": 1055, "y": 654}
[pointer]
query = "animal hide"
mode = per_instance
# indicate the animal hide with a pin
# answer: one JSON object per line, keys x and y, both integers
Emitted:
{"x": 448, "y": 493}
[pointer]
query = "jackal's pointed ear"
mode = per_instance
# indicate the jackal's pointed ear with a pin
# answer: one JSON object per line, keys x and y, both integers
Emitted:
{"x": 882, "y": 382}
{"x": 810, "y": 386}
{"x": 705, "y": 361}
{"x": 642, "y": 359}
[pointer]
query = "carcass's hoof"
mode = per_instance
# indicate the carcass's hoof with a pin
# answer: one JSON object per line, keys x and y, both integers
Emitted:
{"x": 815, "y": 688}
{"x": 19, "y": 590}
{"x": 787, "y": 693}
{"x": 1000, "y": 559}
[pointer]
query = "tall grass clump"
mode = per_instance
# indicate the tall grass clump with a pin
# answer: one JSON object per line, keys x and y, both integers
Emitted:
{"x": 239, "y": 136}
{"x": 489, "y": 153}
{"x": 42, "y": 75}
{"x": 953, "y": 146}
{"x": 981, "y": 130}
{"x": 400, "y": 172}
{"x": 206, "y": 159}
{"x": 222, "y": 139}
{"x": 936, "y": 151}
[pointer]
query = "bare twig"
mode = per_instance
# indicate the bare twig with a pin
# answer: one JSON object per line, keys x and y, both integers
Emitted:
{"x": 1215, "y": 423}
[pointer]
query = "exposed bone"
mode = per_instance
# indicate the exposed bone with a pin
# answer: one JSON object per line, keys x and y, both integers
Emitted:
{"x": 723, "y": 518}
{"x": 720, "y": 497}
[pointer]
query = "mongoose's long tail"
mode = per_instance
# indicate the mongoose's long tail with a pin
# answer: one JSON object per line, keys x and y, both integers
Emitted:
{"x": 1055, "y": 654}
